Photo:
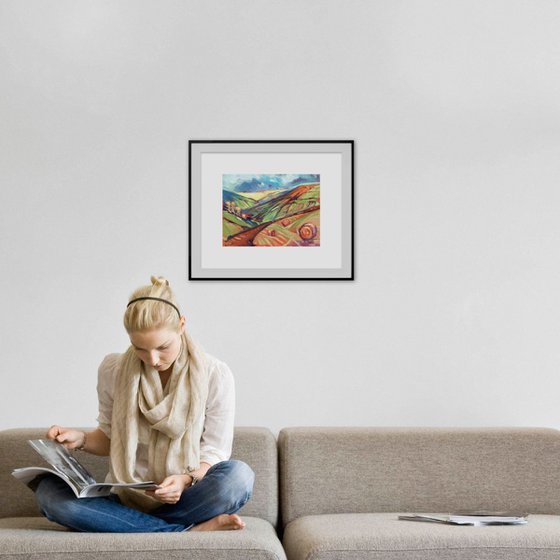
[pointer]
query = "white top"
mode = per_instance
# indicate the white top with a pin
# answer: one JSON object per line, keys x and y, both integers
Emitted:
{"x": 217, "y": 435}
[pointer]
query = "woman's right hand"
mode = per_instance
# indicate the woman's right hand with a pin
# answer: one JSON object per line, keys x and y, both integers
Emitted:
{"x": 70, "y": 438}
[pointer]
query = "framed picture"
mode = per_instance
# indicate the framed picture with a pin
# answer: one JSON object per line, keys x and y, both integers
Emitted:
{"x": 271, "y": 210}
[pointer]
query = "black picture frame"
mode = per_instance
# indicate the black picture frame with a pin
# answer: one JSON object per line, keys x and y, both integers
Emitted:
{"x": 324, "y": 246}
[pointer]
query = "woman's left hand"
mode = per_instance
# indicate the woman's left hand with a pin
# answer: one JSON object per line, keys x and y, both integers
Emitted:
{"x": 170, "y": 490}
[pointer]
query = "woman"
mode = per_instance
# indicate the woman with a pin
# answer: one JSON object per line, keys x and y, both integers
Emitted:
{"x": 165, "y": 414}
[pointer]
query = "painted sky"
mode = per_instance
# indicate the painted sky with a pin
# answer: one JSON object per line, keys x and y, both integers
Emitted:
{"x": 255, "y": 183}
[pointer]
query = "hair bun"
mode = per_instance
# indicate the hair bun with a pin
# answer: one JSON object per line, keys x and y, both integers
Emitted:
{"x": 159, "y": 281}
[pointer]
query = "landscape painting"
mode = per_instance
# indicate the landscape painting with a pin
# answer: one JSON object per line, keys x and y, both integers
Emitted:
{"x": 275, "y": 210}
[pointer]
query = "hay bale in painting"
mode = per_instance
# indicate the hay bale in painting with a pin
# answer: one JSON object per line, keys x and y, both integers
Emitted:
{"x": 308, "y": 231}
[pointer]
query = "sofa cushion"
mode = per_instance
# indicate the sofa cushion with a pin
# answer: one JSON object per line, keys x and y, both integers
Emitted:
{"x": 361, "y": 470}
{"x": 382, "y": 536}
{"x": 256, "y": 446}
{"x": 38, "y": 539}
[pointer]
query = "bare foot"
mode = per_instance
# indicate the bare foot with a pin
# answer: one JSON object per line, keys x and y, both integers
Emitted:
{"x": 222, "y": 522}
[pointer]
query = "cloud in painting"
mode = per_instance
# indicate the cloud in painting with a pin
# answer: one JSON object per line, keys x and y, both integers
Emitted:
{"x": 256, "y": 183}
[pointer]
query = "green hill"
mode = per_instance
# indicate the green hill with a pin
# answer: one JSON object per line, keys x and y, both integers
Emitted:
{"x": 293, "y": 202}
{"x": 239, "y": 200}
{"x": 231, "y": 225}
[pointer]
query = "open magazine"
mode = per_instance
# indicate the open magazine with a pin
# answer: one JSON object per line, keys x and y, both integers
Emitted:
{"x": 68, "y": 468}
{"x": 477, "y": 518}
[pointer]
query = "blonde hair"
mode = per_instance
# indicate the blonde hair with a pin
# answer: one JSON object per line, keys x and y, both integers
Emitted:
{"x": 149, "y": 314}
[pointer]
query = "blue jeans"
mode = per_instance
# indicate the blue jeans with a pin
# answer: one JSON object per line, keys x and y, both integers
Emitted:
{"x": 225, "y": 488}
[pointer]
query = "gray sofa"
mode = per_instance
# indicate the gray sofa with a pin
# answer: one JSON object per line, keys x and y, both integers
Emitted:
{"x": 342, "y": 489}
{"x": 25, "y": 535}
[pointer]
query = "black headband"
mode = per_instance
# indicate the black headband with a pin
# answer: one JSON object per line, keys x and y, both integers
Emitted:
{"x": 155, "y": 299}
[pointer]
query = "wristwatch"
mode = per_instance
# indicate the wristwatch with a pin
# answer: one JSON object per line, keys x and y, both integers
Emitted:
{"x": 195, "y": 479}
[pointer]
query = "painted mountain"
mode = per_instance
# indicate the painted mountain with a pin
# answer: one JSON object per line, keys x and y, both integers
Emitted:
{"x": 278, "y": 210}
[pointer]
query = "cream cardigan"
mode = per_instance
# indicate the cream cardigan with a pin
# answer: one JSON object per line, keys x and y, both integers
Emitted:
{"x": 217, "y": 437}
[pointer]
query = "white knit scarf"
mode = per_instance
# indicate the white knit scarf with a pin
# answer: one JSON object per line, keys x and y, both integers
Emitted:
{"x": 174, "y": 419}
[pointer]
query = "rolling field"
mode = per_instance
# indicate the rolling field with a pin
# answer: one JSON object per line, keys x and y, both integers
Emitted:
{"x": 272, "y": 218}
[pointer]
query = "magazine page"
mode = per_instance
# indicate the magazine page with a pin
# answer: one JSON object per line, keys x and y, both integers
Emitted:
{"x": 69, "y": 469}
{"x": 476, "y": 519}
{"x": 28, "y": 474}
{"x": 428, "y": 518}
{"x": 490, "y": 518}
{"x": 104, "y": 488}
{"x": 63, "y": 462}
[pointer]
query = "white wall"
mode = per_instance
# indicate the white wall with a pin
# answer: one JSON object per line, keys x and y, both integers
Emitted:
{"x": 454, "y": 106}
